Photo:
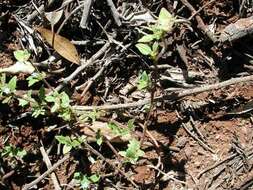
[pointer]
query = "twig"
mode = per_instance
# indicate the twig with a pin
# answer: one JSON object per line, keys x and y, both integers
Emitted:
{"x": 94, "y": 78}
{"x": 205, "y": 146}
{"x": 66, "y": 19}
{"x": 86, "y": 12}
{"x": 215, "y": 165}
{"x": 49, "y": 165}
{"x": 114, "y": 11}
{"x": 201, "y": 8}
{"x": 168, "y": 97}
{"x": 114, "y": 166}
{"x": 83, "y": 66}
{"x": 50, "y": 170}
{"x": 201, "y": 25}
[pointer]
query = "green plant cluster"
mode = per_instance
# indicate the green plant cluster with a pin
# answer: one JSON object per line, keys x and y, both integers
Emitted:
{"x": 55, "y": 103}
{"x": 149, "y": 43}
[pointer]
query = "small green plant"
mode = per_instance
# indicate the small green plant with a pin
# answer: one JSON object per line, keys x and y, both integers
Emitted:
{"x": 99, "y": 137}
{"x": 35, "y": 77}
{"x": 61, "y": 105}
{"x": 144, "y": 81}
{"x": 11, "y": 151}
{"x": 91, "y": 115}
{"x": 70, "y": 143}
{"x": 149, "y": 43}
{"x": 117, "y": 130}
{"x": 7, "y": 90}
{"x": 22, "y": 55}
{"x": 133, "y": 152}
{"x": 85, "y": 181}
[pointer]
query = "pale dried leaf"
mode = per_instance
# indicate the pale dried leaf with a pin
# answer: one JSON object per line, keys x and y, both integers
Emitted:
{"x": 19, "y": 67}
{"x": 61, "y": 45}
{"x": 54, "y": 16}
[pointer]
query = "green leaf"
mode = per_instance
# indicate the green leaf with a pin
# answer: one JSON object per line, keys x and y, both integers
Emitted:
{"x": 133, "y": 151}
{"x": 117, "y": 130}
{"x": 22, "y": 55}
{"x": 42, "y": 93}
{"x": 165, "y": 20}
{"x": 94, "y": 178}
{"x": 85, "y": 182}
{"x": 146, "y": 38}
{"x": 34, "y": 78}
{"x": 12, "y": 84}
{"x": 38, "y": 110}
{"x": 6, "y": 100}
{"x": 130, "y": 124}
{"x": 94, "y": 115}
{"x": 144, "y": 81}
{"x": 55, "y": 107}
{"x": 155, "y": 47}
{"x": 66, "y": 149}
{"x": 63, "y": 139}
{"x": 21, "y": 153}
{"x": 66, "y": 114}
{"x": 22, "y": 102}
{"x": 64, "y": 100}
{"x": 99, "y": 137}
{"x": 50, "y": 98}
{"x": 144, "y": 48}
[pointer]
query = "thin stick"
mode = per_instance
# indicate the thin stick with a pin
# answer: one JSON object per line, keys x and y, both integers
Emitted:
{"x": 45, "y": 174}
{"x": 168, "y": 97}
{"x": 201, "y": 25}
{"x": 49, "y": 165}
{"x": 86, "y": 13}
{"x": 114, "y": 11}
{"x": 114, "y": 166}
{"x": 83, "y": 66}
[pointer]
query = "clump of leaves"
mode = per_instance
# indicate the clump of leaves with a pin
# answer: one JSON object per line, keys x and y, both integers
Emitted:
{"x": 117, "y": 130}
{"x": 70, "y": 143}
{"x": 91, "y": 115}
{"x": 144, "y": 81}
{"x": 149, "y": 43}
{"x": 61, "y": 105}
{"x": 85, "y": 181}
{"x": 7, "y": 90}
{"x": 12, "y": 151}
{"x": 133, "y": 152}
{"x": 35, "y": 77}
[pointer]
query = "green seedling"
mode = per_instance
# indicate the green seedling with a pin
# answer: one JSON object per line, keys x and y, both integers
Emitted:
{"x": 70, "y": 143}
{"x": 35, "y": 77}
{"x": 7, "y": 89}
{"x": 149, "y": 43}
{"x": 133, "y": 152}
{"x": 61, "y": 105}
{"x": 11, "y": 151}
{"x": 85, "y": 181}
{"x": 120, "y": 131}
{"x": 144, "y": 81}
{"x": 92, "y": 115}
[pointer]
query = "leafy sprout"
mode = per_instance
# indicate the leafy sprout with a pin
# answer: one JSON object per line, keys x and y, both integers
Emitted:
{"x": 69, "y": 143}
{"x": 86, "y": 181}
{"x": 149, "y": 43}
{"x": 133, "y": 152}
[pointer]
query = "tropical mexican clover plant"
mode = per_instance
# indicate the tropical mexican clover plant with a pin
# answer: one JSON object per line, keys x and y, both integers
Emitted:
{"x": 149, "y": 43}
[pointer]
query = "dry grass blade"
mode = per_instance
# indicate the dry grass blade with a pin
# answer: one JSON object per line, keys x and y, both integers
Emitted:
{"x": 61, "y": 45}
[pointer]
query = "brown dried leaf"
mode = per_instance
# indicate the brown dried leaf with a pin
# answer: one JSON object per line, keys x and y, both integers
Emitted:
{"x": 61, "y": 45}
